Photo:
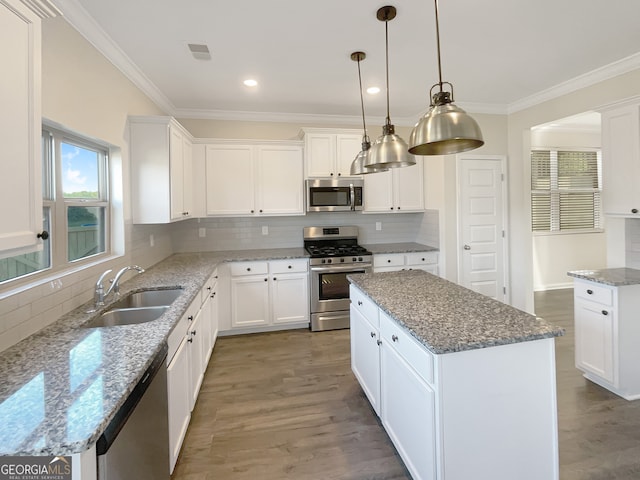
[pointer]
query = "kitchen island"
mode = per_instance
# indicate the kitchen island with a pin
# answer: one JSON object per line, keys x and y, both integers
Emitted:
{"x": 463, "y": 384}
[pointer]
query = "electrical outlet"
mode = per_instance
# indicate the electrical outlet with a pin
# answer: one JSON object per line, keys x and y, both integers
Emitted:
{"x": 202, "y": 232}
{"x": 378, "y": 226}
{"x": 265, "y": 230}
{"x": 152, "y": 241}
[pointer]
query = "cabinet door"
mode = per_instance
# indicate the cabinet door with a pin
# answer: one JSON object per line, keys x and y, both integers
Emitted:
{"x": 365, "y": 357}
{"x": 347, "y": 147}
{"x": 230, "y": 180}
{"x": 621, "y": 161}
{"x": 595, "y": 341}
{"x": 176, "y": 169}
{"x": 20, "y": 124}
{"x": 178, "y": 399}
{"x": 409, "y": 188}
{"x": 290, "y": 298}
{"x": 280, "y": 180}
{"x": 249, "y": 301}
{"x": 195, "y": 340}
{"x": 215, "y": 319}
{"x": 378, "y": 192}
{"x": 320, "y": 152}
{"x": 408, "y": 414}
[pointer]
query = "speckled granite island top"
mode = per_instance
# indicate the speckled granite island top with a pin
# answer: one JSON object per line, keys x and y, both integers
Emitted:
{"x": 446, "y": 317}
{"x": 403, "y": 247}
{"x": 616, "y": 277}
{"x": 62, "y": 386}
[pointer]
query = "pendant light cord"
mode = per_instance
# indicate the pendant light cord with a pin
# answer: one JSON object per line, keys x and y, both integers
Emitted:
{"x": 438, "y": 43}
{"x": 364, "y": 125}
{"x": 386, "y": 41}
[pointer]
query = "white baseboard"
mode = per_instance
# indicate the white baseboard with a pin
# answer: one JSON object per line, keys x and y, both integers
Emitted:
{"x": 553, "y": 286}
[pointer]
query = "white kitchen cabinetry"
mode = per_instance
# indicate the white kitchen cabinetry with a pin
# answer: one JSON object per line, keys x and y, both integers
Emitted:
{"x": 607, "y": 334}
{"x": 161, "y": 170}
{"x": 455, "y": 416}
{"x": 621, "y": 160}
{"x": 269, "y": 293}
{"x": 254, "y": 179}
{"x": 21, "y": 126}
{"x": 398, "y": 190}
{"x": 330, "y": 153}
{"x": 391, "y": 262}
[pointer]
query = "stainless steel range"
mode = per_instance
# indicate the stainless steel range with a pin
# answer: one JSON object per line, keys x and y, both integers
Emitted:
{"x": 335, "y": 253}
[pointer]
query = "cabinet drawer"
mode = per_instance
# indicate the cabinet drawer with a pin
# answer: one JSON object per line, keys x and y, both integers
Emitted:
{"x": 416, "y": 355}
{"x": 364, "y": 305}
{"x": 421, "y": 258}
{"x": 388, "y": 260}
{"x": 594, "y": 292}
{"x": 248, "y": 268}
{"x": 289, "y": 266}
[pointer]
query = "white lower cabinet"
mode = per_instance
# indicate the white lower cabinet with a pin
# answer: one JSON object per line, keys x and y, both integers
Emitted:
{"x": 607, "y": 335}
{"x": 179, "y": 400}
{"x": 269, "y": 293}
{"x": 391, "y": 262}
{"x": 460, "y": 415}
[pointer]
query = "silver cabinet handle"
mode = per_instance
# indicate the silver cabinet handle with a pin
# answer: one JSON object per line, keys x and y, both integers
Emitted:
{"x": 467, "y": 247}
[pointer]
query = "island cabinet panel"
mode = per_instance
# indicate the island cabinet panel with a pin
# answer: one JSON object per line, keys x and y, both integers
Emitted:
{"x": 365, "y": 356}
{"x": 607, "y": 335}
{"x": 391, "y": 262}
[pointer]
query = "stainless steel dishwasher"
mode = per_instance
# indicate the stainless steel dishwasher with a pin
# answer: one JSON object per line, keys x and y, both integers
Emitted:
{"x": 135, "y": 445}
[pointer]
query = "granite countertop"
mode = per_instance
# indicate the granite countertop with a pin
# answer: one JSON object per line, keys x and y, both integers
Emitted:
{"x": 609, "y": 276}
{"x": 446, "y": 317}
{"x": 62, "y": 386}
{"x": 405, "y": 247}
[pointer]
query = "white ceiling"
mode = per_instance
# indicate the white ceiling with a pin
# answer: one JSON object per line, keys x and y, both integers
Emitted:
{"x": 500, "y": 55}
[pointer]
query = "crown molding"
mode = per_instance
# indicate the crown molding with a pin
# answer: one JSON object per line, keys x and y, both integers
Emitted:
{"x": 601, "y": 74}
{"x": 79, "y": 18}
{"x": 42, "y": 8}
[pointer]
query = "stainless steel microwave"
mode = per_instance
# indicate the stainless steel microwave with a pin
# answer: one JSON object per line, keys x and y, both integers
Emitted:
{"x": 334, "y": 195}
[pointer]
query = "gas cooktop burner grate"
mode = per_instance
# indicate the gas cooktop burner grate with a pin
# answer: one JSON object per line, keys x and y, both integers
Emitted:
{"x": 336, "y": 250}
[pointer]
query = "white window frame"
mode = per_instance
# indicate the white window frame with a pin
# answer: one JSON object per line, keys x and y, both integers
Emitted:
{"x": 554, "y": 193}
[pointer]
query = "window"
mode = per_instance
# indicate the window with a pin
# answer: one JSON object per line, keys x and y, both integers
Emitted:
{"x": 566, "y": 188}
{"x": 76, "y": 208}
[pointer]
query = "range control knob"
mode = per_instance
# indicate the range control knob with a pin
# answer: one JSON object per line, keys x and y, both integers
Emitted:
{"x": 329, "y": 260}
{"x": 323, "y": 261}
{"x": 354, "y": 259}
{"x": 359, "y": 259}
{"x": 342, "y": 260}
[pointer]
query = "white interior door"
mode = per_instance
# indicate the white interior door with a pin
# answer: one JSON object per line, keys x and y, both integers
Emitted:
{"x": 481, "y": 228}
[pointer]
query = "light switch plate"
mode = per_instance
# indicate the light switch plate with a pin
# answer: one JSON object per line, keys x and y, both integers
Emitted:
{"x": 378, "y": 226}
{"x": 202, "y": 232}
{"x": 265, "y": 230}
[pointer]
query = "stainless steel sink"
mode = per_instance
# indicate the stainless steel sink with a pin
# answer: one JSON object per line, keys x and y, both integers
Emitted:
{"x": 126, "y": 316}
{"x": 148, "y": 298}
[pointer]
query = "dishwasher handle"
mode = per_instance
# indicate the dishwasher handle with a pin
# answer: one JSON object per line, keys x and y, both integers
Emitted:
{"x": 124, "y": 412}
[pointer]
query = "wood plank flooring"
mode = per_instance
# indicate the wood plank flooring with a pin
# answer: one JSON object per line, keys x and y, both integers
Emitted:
{"x": 286, "y": 406}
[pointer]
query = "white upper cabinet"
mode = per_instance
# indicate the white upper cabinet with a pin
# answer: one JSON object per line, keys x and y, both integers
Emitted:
{"x": 254, "y": 179}
{"x": 161, "y": 165}
{"x": 397, "y": 190}
{"x": 329, "y": 153}
{"x": 621, "y": 160}
{"x": 20, "y": 127}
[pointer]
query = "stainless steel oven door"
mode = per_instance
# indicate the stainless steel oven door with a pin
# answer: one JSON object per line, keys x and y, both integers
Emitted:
{"x": 330, "y": 287}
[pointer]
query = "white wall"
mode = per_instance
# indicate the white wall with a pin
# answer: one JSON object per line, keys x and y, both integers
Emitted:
{"x": 85, "y": 93}
{"x": 556, "y": 254}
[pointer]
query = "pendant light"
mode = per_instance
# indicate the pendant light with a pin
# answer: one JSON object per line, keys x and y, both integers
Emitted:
{"x": 389, "y": 150}
{"x": 445, "y": 128}
{"x": 357, "y": 166}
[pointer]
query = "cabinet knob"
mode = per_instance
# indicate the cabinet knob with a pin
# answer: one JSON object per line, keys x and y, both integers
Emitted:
{"x": 398, "y": 208}
{"x": 209, "y": 288}
{"x": 251, "y": 211}
{"x": 43, "y": 235}
{"x": 190, "y": 340}
{"x": 190, "y": 318}
{"x": 394, "y": 338}
{"x": 379, "y": 342}
{"x": 389, "y": 261}
{"x": 266, "y": 279}
{"x": 248, "y": 269}
{"x": 359, "y": 303}
{"x": 423, "y": 259}
{"x": 331, "y": 174}
{"x": 373, "y": 334}
{"x": 260, "y": 210}
{"x": 634, "y": 210}
{"x": 391, "y": 208}
{"x": 289, "y": 267}
{"x": 467, "y": 247}
{"x": 274, "y": 279}
{"x": 604, "y": 312}
{"x": 193, "y": 332}
{"x": 590, "y": 292}
{"x": 339, "y": 174}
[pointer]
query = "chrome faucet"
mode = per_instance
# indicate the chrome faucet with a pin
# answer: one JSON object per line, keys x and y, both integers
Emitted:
{"x": 99, "y": 294}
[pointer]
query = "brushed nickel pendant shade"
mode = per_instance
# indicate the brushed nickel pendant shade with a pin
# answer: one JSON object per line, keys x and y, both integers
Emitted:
{"x": 445, "y": 128}
{"x": 357, "y": 166}
{"x": 389, "y": 150}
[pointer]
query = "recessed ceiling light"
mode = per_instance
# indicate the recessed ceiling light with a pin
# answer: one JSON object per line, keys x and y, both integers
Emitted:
{"x": 373, "y": 90}
{"x": 199, "y": 51}
{"x": 250, "y": 82}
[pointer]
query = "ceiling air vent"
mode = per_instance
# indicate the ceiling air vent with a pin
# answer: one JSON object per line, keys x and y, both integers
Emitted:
{"x": 199, "y": 51}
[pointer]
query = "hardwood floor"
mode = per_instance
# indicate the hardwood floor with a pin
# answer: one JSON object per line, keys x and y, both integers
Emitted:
{"x": 286, "y": 406}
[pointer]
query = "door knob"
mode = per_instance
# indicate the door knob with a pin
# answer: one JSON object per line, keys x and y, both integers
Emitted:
{"x": 467, "y": 247}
